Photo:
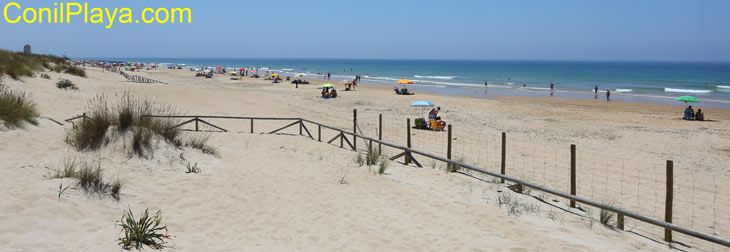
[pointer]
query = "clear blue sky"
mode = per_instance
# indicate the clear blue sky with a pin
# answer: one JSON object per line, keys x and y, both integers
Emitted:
{"x": 643, "y": 30}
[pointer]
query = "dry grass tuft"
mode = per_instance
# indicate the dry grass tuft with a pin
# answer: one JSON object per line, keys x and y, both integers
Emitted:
{"x": 16, "y": 108}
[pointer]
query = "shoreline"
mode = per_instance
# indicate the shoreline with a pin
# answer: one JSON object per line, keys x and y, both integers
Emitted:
{"x": 714, "y": 113}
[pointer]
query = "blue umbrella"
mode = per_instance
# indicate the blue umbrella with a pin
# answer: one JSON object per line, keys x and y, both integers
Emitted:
{"x": 422, "y": 105}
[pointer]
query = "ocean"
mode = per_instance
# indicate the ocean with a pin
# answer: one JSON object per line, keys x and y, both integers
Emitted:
{"x": 658, "y": 82}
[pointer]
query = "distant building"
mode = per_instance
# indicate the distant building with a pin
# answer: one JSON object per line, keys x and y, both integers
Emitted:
{"x": 26, "y": 49}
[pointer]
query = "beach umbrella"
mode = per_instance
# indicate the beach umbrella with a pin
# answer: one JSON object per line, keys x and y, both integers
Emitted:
{"x": 687, "y": 99}
{"x": 326, "y": 85}
{"x": 404, "y": 82}
{"x": 423, "y": 105}
{"x": 274, "y": 74}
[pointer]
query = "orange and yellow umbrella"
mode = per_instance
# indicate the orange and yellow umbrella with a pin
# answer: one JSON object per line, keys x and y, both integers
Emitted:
{"x": 404, "y": 82}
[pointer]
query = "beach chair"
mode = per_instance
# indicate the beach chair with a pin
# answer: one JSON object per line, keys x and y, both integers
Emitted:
{"x": 435, "y": 126}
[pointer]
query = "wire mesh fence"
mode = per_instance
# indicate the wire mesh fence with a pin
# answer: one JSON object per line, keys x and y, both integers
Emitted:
{"x": 636, "y": 185}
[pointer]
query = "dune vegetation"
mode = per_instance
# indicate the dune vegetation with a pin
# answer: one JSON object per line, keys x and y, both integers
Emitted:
{"x": 106, "y": 123}
{"x": 16, "y": 108}
{"x": 17, "y": 64}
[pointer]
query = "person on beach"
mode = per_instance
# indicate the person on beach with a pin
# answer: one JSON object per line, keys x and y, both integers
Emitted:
{"x": 485, "y": 83}
{"x": 699, "y": 116}
{"x": 328, "y": 75}
{"x": 595, "y": 91}
{"x": 552, "y": 88}
{"x": 689, "y": 113}
{"x": 608, "y": 95}
{"x": 434, "y": 113}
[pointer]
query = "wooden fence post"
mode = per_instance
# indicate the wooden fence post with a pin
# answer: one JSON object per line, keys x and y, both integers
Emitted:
{"x": 504, "y": 153}
{"x": 252, "y": 125}
{"x": 354, "y": 128}
{"x": 83, "y": 117}
{"x": 342, "y": 136}
{"x": 380, "y": 131}
{"x": 196, "y": 124}
{"x": 300, "y": 127}
{"x": 448, "y": 144}
{"x": 408, "y": 132}
{"x": 620, "y": 222}
{"x": 572, "y": 174}
{"x": 670, "y": 198}
{"x": 319, "y": 132}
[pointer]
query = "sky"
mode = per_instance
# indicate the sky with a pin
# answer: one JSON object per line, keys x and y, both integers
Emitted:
{"x": 617, "y": 30}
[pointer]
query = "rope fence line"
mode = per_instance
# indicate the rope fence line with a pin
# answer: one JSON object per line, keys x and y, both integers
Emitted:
{"x": 630, "y": 188}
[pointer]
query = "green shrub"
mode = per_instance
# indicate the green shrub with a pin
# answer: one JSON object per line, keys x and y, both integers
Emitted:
{"x": 16, "y": 108}
{"x": 45, "y": 76}
{"x": 192, "y": 169}
{"x": 66, "y": 84}
{"x": 148, "y": 230}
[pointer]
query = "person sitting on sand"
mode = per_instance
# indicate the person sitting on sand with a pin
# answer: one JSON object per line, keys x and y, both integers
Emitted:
{"x": 689, "y": 113}
{"x": 333, "y": 94}
{"x": 433, "y": 114}
{"x": 699, "y": 116}
{"x": 325, "y": 94}
{"x": 396, "y": 90}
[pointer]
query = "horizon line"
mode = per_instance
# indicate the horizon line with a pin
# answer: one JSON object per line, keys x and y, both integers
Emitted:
{"x": 419, "y": 59}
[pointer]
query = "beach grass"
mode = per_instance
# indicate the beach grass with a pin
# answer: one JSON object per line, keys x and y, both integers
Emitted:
{"x": 89, "y": 177}
{"x": 17, "y": 64}
{"x": 147, "y": 230}
{"x": 455, "y": 168}
{"x": 200, "y": 142}
{"x": 16, "y": 108}
{"x": 383, "y": 166}
{"x": 129, "y": 115}
{"x": 606, "y": 217}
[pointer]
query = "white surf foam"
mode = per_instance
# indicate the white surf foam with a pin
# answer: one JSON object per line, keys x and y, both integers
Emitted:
{"x": 624, "y": 90}
{"x": 680, "y": 90}
{"x": 435, "y": 77}
{"x": 723, "y": 87}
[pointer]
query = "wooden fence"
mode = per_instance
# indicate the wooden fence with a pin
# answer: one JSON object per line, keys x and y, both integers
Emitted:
{"x": 139, "y": 79}
{"x": 408, "y": 155}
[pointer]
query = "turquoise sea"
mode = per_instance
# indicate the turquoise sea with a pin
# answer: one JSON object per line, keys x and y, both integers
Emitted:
{"x": 659, "y": 82}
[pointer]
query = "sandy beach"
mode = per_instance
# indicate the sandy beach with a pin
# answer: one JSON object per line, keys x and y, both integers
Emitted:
{"x": 285, "y": 192}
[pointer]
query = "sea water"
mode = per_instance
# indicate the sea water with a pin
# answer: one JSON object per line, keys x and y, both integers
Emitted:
{"x": 660, "y": 82}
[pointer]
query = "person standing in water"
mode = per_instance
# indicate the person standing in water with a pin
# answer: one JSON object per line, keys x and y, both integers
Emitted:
{"x": 608, "y": 95}
{"x": 552, "y": 88}
{"x": 595, "y": 90}
{"x": 485, "y": 83}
